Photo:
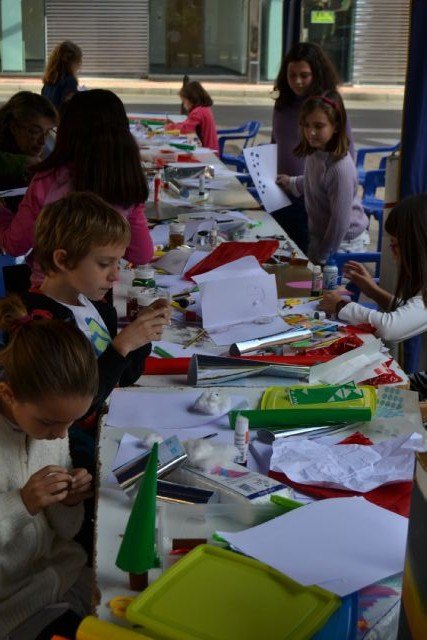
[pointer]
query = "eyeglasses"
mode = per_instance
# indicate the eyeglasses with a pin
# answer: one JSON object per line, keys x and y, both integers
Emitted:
{"x": 38, "y": 132}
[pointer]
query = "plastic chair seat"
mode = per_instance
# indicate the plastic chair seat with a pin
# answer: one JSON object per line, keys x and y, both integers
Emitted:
{"x": 373, "y": 205}
{"x": 364, "y": 151}
{"x": 246, "y": 134}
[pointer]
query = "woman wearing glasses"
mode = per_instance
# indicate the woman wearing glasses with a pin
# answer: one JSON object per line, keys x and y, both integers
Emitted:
{"x": 26, "y": 121}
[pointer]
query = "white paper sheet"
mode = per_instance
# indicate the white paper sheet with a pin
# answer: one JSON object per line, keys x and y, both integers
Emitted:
{"x": 174, "y": 261}
{"x": 164, "y": 410}
{"x": 237, "y": 292}
{"x": 160, "y": 234}
{"x": 350, "y": 466}
{"x": 355, "y": 365}
{"x": 342, "y": 544}
{"x": 247, "y": 331}
{"x": 178, "y": 351}
{"x": 262, "y": 165}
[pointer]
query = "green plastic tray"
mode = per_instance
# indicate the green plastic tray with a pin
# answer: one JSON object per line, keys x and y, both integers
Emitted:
{"x": 215, "y": 594}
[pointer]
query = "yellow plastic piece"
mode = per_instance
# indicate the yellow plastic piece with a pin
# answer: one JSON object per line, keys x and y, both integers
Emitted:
{"x": 213, "y": 593}
{"x": 93, "y": 629}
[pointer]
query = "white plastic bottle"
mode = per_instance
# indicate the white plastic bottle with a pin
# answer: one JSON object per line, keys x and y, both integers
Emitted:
{"x": 330, "y": 275}
{"x": 241, "y": 439}
{"x": 316, "y": 281}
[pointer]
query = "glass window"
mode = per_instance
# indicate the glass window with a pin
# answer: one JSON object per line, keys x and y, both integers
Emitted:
{"x": 22, "y": 36}
{"x": 199, "y": 37}
{"x": 330, "y": 24}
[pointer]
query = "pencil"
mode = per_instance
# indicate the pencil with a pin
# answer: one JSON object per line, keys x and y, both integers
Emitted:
{"x": 197, "y": 337}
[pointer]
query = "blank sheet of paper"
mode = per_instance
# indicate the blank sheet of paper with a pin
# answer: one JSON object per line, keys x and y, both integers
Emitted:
{"x": 341, "y": 544}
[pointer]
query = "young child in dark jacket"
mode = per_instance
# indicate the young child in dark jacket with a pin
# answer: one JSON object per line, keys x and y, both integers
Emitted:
{"x": 79, "y": 241}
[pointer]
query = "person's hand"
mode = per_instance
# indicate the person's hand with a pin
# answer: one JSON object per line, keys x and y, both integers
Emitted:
{"x": 33, "y": 160}
{"x": 330, "y": 301}
{"x": 284, "y": 181}
{"x": 80, "y": 487}
{"x": 360, "y": 276}
{"x": 147, "y": 326}
{"x": 45, "y": 487}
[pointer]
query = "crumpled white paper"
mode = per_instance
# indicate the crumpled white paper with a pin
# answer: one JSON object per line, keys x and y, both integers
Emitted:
{"x": 353, "y": 467}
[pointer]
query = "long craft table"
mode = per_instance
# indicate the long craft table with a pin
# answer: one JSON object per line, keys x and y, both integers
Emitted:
{"x": 113, "y": 506}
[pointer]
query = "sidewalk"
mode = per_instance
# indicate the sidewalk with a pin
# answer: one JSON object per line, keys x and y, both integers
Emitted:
{"x": 232, "y": 91}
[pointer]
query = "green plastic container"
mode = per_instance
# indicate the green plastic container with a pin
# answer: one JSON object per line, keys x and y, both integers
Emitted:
{"x": 278, "y": 412}
{"x": 215, "y": 594}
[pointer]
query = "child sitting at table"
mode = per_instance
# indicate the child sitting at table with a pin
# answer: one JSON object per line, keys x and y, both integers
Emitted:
{"x": 79, "y": 241}
{"x": 94, "y": 151}
{"x": 197, "y": 102}
{"x": 405, "y": 312}
{"x": 336, "y": 220}
{"x": 49, "y": 378}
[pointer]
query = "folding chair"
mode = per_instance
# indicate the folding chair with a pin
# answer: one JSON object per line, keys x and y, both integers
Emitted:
{"x": 364, "y": 151}
{"x": 373, "y": 205}
{"x": 246, "y": 133}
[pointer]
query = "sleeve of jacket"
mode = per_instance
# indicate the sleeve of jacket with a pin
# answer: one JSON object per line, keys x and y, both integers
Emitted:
{"x": 17, "y": 235}
{"x": 140, "y": 249}
{"x": 113, "y": 368}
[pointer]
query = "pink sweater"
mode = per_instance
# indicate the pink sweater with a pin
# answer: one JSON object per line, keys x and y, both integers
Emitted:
{"x": 201, "y": 121}
{"x": 17, "y": 231}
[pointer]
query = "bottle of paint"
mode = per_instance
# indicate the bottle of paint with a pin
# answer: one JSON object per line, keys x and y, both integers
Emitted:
{"x": 330, "y": 275}
{"x": 316, "y": 281}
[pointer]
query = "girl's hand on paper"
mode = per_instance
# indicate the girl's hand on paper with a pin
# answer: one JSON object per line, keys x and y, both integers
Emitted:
{"x": 80, "y": 487}
{"x": 146, "y": 327}
{"x": 45, "y": 487}
{"x": 284, "y": 181}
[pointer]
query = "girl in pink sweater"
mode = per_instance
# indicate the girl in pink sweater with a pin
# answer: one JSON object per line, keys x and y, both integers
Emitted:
{"x": 96, "y": 152}
{"x": 197, "y": 102}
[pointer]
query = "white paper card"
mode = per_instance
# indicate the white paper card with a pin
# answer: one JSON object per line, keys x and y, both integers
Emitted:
{"x": 262, "y": 165}
{"x": 342, "y": 544}
{"x": 164, "y": 410}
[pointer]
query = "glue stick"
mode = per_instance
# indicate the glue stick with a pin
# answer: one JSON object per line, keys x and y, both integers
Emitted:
{"x": 241, "y": 439}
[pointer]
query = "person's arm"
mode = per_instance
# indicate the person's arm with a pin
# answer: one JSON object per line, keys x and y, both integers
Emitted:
{"x": 17, "y": 235}
{"x": 140, "y": 249}
{"x": 405, "y": 322}
{"x": 360, "y": 276}
{"x": 69, "y": 89}
{"x": 192, "y": 122}
{"x": 291, "y": 184}
{"x": 14, "y": 516}
{"x": 339, "y": 187}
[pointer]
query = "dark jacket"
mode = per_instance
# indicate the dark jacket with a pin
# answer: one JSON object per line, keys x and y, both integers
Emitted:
{"x": 113, "y": 368}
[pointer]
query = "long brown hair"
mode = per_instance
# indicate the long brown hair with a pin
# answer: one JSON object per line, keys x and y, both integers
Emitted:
{"x": 45, "y": 357}
{"x": 330, "y": 102}
{"x": 61, "y": 60}
{"x": 407, "y": 222}
{"x": 94, "y": 140}
{"x": 325, "y": 76}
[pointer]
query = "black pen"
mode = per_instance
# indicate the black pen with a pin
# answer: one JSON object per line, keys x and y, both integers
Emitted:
{"x": 210, "y": 435}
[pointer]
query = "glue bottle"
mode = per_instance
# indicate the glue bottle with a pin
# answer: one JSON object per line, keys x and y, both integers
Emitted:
{"x": 316, "y": 281}
{"x": 330, "y": 275}
{"x": 241, "y": 439}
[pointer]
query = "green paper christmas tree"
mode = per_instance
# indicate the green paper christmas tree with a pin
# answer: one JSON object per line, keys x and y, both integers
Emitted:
{"x": 137, "y": 553}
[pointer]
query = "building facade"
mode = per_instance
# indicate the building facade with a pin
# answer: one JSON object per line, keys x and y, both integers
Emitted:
{"x": 227, "y": 39}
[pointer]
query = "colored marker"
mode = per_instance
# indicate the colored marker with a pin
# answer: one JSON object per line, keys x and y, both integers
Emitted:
{"x": 161, "y": 352}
